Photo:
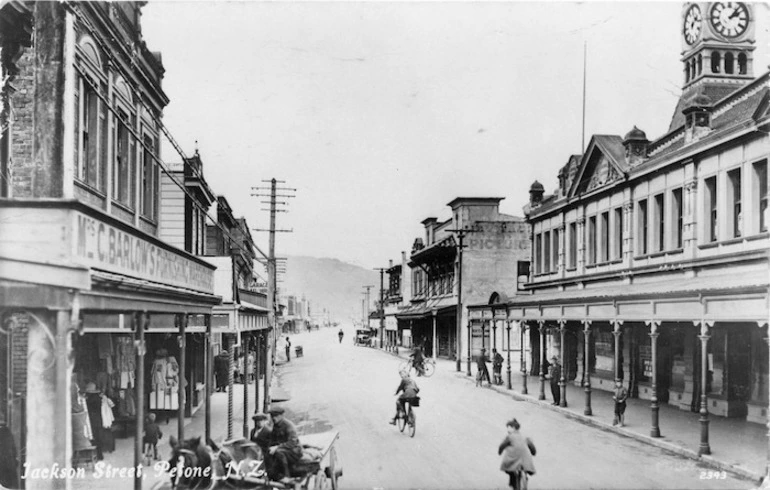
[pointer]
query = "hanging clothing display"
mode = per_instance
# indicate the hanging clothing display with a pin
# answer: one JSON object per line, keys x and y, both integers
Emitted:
{"x": 125, "y": 362}
{"x": 165, "y": 382}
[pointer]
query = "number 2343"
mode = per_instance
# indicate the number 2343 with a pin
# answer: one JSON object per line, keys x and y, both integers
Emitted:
{"x": 713, "y": 475}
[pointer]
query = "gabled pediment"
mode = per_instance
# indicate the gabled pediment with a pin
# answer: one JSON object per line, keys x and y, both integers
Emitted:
{"x": 603, "y": 164}
{"x": 763, "y": 108}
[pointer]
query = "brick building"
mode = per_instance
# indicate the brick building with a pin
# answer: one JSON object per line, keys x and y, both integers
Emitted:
{"x": 424, "y": 291}
{"x": 86, "y": 284}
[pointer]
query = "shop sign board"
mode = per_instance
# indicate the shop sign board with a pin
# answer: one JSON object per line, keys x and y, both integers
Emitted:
{"x": 103, "y": 246}
{"x": 391, "y": 323}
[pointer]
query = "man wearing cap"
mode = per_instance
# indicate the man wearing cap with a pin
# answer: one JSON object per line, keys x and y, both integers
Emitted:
{"x": 284, "y": 448}
{"x": 260, "y": 434}
{"x": 554, "y": 374}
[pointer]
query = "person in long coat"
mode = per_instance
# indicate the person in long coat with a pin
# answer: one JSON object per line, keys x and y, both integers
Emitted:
{"x": 517, "y": 452}
{"x": 554, "y": 375}
{"x": 222, "y": 370}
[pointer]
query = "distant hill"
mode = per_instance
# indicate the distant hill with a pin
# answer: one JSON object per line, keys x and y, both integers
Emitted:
{"x": 330, "y": 284}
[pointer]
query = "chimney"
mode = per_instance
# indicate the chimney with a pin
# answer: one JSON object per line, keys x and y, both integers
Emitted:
{"x": 430, "y": 227}
{"x": 390, "y": 264}
{"x": 536, "y": 194}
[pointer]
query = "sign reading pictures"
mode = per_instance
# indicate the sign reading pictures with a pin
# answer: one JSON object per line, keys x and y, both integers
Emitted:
{"x": 100, "y": 245}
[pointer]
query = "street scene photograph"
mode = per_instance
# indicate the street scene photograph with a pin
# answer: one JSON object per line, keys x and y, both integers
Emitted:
{"x": 384, "y": 245}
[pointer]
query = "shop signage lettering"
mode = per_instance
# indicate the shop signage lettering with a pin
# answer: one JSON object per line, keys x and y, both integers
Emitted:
{"x": 102, "y": 245}
{"x": 497, "y": 244}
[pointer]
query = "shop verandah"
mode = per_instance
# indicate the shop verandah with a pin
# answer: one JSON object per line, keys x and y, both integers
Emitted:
{"x": 430, "y": 325}
{"x": 700, "y": 345}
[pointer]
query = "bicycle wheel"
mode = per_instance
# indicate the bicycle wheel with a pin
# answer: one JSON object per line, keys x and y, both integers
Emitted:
{"x": 401, "y": 420}
{"x": 429, "y": 367}
{"x": 412, "y": 422}
{"x": 405, "y": 366}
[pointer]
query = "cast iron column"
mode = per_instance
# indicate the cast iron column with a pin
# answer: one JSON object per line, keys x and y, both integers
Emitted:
{"x": 245, "y": 371}
{"x": 522, "y": 329}
{"x": 563, "y": 380}
{"x": 654, "y": 405}
{"x": 483, "y": 332}
{"x": 508, "y": 327}
{"x": 586, "y": 367}
{"x": 704, "y": 413}
{"x": 182, "y": 319}
{"x": 767, "y": 338}
{"x": 230, "y": 365}
{"x": 207, "y": 366}
{"x": 617, "y": 333}
{"x": 542, "y": 327}
{"x": 493, "y": 345}
{"x": 142, "y": 321}
{"x": 434, "y": 344}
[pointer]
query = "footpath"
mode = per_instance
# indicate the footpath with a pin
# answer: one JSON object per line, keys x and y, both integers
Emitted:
{"x": 155, "y": 477}
{"x": 737, "y": 446}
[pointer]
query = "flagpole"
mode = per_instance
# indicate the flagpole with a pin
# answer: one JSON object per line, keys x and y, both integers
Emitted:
{"x": 583, "y": 134}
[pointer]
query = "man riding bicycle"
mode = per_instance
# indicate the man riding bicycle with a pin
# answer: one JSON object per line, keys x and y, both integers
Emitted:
{"x": 417, "y": 360}
{"x": 408, "y": 389}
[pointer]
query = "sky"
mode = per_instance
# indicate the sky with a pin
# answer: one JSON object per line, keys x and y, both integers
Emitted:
{"x": 380, "y": 113}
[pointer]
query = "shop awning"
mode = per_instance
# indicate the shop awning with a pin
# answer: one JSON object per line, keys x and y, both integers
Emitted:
{"x": 425, "y": 309}
{"x": 245, "y": 305}
{"x": 728, "y": 297}
{"x": 120, "y": 293}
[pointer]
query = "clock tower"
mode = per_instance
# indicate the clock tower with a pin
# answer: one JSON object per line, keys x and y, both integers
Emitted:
{"x": 717, "y": 51}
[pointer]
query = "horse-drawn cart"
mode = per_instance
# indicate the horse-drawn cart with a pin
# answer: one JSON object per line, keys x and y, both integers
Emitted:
{"x": 318, "y": 469}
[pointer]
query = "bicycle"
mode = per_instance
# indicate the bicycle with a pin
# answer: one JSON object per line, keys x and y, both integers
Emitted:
{"x": 428, "y": 367}
{"x": 408, "y": 418}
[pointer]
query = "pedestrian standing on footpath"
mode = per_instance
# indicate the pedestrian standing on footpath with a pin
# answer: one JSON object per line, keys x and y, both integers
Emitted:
{"x": 554, "y": 374}
{"x": 517, "y": 451}
{"x": 221, "y": 370}
{"x": 497, "y": 367}
{"x": 483, "y": 372}
{"x": 288, "y": 349}
{"x": 340, "y": 335}
{"x": 620, "y": 403}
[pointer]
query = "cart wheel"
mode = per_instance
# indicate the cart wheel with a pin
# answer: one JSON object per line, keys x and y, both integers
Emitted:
{"x": 429, "y": 369}
{"x": 333, "y": 471}
{"x": 319, "y": 481}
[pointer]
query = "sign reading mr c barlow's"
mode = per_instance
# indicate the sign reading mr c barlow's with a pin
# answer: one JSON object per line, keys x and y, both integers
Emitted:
{"x": 103, "y": 246}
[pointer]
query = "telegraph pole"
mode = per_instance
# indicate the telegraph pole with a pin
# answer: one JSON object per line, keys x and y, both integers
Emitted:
{"x": 382, "y": 307}
{"x": 272, "y": 281}
{"x": 460, "y": 246}
{"x": 366, "y": 308}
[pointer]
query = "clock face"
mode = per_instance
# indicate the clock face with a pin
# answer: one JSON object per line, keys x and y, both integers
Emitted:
{"x": 730, "y": 19}
{"x": 692, "y": 23}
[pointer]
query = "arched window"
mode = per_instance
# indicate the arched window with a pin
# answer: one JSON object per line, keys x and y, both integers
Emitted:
{"x": 729, "y": 61}
{"x": 687, "y": 72}
{"x": 716, "y": 60}
{"x": 742, "y": 63}
{"x": 700, "y": 64}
